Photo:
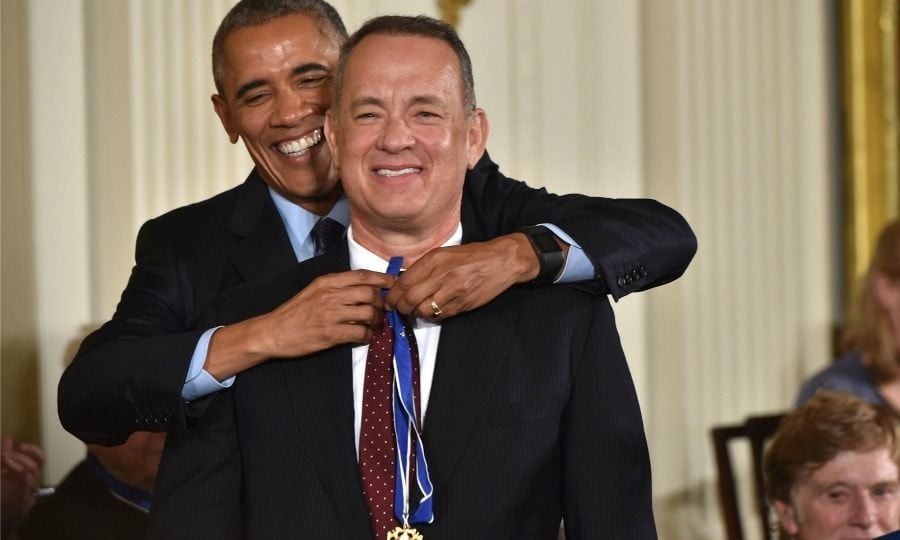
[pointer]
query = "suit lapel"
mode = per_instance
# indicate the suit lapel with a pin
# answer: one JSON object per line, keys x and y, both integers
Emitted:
{"x": 264, "y": 247}
{"x": 321, "y": 393}
{"x": 472, "y": 349}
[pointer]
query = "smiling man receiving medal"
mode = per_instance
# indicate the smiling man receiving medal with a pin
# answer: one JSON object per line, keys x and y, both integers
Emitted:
{"x": 497, "y": 423}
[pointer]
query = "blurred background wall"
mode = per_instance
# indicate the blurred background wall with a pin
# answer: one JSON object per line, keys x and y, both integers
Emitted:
{"x": 729, "y": 111}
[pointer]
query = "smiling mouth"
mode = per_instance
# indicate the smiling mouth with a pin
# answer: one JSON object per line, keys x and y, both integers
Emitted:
{"x": 398, "y": 172}
{"x": 298, "y": 147}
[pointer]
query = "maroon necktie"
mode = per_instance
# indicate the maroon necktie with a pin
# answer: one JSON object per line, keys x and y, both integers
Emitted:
{"x": 377, "y": 458}
{"x": 377, "y": 451}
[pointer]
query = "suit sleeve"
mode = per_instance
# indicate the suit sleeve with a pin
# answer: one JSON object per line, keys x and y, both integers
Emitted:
{"x": 606, "y": 464}
{"x": 198, "y": 486}
{"x": 634, "y": 244}
{"x": 128, "y": 375}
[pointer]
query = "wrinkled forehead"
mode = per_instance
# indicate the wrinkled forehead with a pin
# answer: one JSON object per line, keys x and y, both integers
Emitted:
{"x": 857, "y": 469}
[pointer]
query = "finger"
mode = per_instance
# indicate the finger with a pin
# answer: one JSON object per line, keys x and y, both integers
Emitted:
{"x": 366, "y": 315}
{"x": 359, "y": 277}
{"x": 418, "y": 293}
{"x": 34, "y": 452}
{"x": 445, "y": 309}
{"x": 25, "y": 462}
{"x": 351, "y": 333}
{"x": 13, "y": 463}
{"x": 422, "y": 272}
{"x": 350, "y": 296}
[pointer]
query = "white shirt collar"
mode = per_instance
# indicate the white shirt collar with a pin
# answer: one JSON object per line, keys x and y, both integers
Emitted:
{"x": 362, "y": 258}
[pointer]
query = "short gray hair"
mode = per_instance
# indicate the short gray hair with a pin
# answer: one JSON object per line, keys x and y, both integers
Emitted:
{"x": 422, "y": 25}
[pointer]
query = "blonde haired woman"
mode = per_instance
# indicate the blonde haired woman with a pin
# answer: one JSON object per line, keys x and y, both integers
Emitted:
{"x": 870, "y": 365}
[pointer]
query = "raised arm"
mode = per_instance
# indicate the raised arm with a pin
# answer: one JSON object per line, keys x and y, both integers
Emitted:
{"x": 128, "y": 375}
{"x": 631, "y": 245}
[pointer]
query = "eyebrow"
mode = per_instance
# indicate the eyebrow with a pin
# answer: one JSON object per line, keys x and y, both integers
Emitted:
{"x": 299, "y": 70}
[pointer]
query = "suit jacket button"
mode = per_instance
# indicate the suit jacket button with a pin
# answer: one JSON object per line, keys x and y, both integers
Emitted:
{"x": 620, "y": 282}
{"x": 643, "y": 271}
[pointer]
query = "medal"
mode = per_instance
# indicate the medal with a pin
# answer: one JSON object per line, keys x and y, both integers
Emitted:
{"x": 407, "y": 435}
{"x": 404, "y": 533}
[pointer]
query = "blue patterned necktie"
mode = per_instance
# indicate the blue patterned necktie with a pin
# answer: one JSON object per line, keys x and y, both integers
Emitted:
{"x": 325, "y": 233}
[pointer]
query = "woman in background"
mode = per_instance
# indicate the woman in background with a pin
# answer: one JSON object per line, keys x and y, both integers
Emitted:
{"x": 870, "y": 365}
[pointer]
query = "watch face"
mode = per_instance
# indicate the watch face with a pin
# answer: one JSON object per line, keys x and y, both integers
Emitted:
{"x": 545, "y": 242}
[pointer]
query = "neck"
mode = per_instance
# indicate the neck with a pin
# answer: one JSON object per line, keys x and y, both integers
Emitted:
{"x": 319, "y": 205}
{"x": 411, "y": 243}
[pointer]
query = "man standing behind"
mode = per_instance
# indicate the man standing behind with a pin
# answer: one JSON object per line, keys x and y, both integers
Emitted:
{"x": 274, "y": 62}
{"x": 524, "y": 408}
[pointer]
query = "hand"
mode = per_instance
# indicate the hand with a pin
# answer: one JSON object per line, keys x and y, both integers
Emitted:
{"x": 332, "y": 310}
{"x": 20, "y": 473}
{"x": 462, "y": 278}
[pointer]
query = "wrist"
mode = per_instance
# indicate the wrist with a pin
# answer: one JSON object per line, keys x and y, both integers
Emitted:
{"x": 547, "y": 252}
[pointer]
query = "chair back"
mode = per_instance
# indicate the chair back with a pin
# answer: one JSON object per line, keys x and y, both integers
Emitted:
{"x": 757, "y": 430}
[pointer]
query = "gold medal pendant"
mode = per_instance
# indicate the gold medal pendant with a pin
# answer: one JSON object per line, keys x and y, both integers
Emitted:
{"x": 404, "y": 533}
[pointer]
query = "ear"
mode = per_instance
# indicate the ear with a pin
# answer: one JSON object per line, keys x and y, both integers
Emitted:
{"x": 477, "y": 136}
{"x": 224, "y": 114}
{"x": 786, "y": 517}
{"x": 331, "y": 138}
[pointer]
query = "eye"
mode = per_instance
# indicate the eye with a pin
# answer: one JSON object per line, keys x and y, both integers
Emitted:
{"x": 313, "y": 81}
{"x": 256, "y": 98}
{"x": 427, "y": 114}
{"x": 883, "y": 491}
{"x": 836, "y": 496}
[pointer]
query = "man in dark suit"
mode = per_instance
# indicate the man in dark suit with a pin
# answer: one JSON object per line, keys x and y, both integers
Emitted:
{"x": 529, "y": 410}
{"x": 153, "y": 366}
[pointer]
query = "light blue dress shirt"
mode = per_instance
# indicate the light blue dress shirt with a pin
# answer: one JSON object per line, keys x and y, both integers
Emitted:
{"x": 299, "y": 223}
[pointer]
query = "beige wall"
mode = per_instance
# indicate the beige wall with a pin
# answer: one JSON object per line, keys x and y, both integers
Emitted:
{"x": 18, "y": 343}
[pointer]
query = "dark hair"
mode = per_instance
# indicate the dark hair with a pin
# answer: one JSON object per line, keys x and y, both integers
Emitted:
{"x": 817, "y": 431}
{"x": 422, "y": 25}
{"x": 255, "y": 12}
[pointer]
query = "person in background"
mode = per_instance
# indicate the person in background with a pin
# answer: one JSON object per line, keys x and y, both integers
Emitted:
{"x": 831, "y": 470}
{"x": 870, "y": 365}
{"x": 21, "y": 467}
{"x": 105, "y": 497}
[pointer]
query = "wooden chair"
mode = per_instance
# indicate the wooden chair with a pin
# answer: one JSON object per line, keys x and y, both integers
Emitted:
{"x": 756, "y": 429}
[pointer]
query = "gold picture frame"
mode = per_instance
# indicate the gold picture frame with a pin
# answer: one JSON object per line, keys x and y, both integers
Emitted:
{"x": 869, "y": 93}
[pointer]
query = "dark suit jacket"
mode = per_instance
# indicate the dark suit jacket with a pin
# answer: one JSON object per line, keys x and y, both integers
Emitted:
{"x": 128, "y": 375}
{"x": 532, "y": 417}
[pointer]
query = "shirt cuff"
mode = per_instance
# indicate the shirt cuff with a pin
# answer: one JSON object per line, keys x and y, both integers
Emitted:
{"x": 577, "y": 266}
{"x": 199, "y": 382}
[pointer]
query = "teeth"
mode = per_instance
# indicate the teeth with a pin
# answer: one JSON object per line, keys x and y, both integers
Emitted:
{"x": 389, "y": 172}
{"x": 301, "y": 145}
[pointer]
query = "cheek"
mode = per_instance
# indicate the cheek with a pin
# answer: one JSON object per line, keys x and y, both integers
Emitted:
{"x": 889, "y": 514}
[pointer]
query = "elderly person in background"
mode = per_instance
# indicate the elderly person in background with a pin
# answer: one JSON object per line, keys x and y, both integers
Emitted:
{"x": 105, "y": 497}
{"x": 831, "y": 471}
{"x": 870, "y": 365}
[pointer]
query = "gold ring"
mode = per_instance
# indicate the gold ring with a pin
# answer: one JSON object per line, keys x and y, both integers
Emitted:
{"x": 435, "y": 310}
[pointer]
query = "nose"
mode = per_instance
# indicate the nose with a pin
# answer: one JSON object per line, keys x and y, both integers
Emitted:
{"x": 290, "y": 109}
{"x": 863, "y": 515}
{"x": 396, "y": 135}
